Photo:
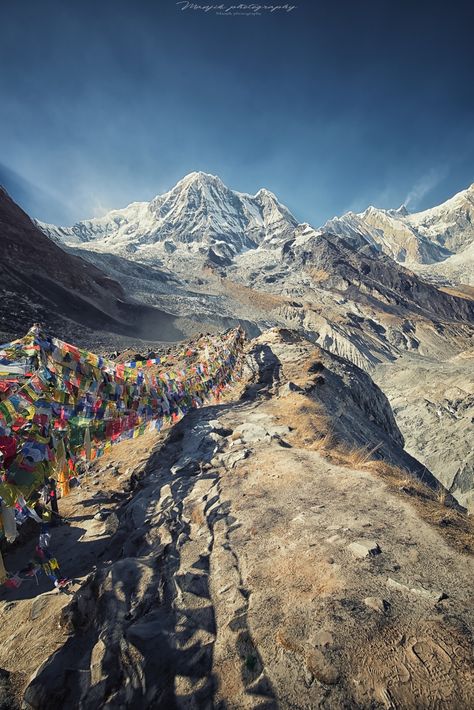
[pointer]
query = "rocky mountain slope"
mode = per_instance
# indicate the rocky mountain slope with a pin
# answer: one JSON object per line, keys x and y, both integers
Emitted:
{"x": 443, "y": 234}
{"x": 390, "y": 231}
{"x": 271, "y": 553}
{"x": 433, "y": 402}
{"x": 101, "y": 300}
{"x": 449, "y": 224}
{"x": 43, "y": 283}
{"x": 457, "y": 269}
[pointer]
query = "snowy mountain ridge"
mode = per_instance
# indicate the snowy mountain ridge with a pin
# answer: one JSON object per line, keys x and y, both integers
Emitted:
{"x": 198, "y": 210}
{"x": 200, "y": 217}
{"x": 426, "y": 237}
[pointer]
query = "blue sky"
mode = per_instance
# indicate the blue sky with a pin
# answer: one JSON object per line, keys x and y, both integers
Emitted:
{"x": 332, "y": 106}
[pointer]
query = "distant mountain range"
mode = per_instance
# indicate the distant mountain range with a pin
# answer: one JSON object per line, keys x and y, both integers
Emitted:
{"x": 203, "y": 214}
{"x": 442, "y": 236}
{"x": 190, "y": 252}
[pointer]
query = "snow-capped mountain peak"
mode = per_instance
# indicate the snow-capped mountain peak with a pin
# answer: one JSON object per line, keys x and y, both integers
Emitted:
{"x": 387, "y": 231}
{"x": 450, "y": 224}
{"x": 265, "y": 194}
{"x": 199, "y": 210}
{"x": 420, "y": 238}
{"x": 198, "y": 176}
{"x": 201, "y": 217}
{"x": 401, "y": 211}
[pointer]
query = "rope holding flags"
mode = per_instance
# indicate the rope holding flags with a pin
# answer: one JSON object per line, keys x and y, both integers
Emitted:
{"x": 60, "y": 404}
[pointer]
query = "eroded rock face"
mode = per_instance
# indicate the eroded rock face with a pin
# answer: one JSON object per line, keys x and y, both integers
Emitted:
{"x": 231, "y": 582}
{"x": 433, "y": 403}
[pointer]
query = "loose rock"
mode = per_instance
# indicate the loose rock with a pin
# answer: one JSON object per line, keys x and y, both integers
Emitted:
{"x": 377, "y": 604}
{"x": 321, "y": 668}
{"x": 431, "y": 595}
{"x": 111, "y": 524}
{"x": 364, "y": 548}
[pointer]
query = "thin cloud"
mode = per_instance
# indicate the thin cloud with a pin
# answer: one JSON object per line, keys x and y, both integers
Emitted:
{"x": 424, "y": 185}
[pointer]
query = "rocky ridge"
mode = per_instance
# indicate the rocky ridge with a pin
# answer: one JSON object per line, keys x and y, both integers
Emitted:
{"x": 256, "y": 563}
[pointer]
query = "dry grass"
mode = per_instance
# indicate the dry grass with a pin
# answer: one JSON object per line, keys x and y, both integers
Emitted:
{"x": 288, "y": 642}
{"x": 442, "y": 496}
{"x": 306, "y": 419}
{"x": 432, "y": 506}
{"x": 311, "y": 430}
{"x": 304, "y": 372}
{"x": 464, "y": 291}
{"x": 197, "y": 516}
{"x": 357, "y": 457}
